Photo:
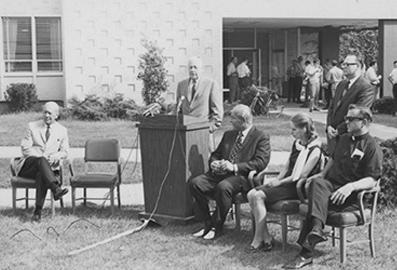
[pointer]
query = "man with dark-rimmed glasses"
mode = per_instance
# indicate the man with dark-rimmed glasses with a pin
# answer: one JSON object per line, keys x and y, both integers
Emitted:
{"x": 355, "y": 165}
{"x": 355, "y": 89}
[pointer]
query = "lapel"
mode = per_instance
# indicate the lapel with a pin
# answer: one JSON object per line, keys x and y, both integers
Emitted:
{"x": 340, "y": 99}
{"x": 248, "y": 139}
{"x": 43, "y": 129}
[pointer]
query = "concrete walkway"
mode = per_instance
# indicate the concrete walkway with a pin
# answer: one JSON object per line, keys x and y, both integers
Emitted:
{"x": 381, "y": 131}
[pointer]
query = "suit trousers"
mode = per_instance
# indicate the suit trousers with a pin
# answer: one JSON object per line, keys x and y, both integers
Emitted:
{"x": 220, "y": 187}
{"x": 319, "y": 205}
{"x": 39, "y": 169}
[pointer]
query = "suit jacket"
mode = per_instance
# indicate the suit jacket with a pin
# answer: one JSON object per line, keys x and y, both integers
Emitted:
{"x": 254, "y": 153}
{"x": 34, "y": 143}
{"x": 206, "y": 103}
{"x": 360, "y": 93}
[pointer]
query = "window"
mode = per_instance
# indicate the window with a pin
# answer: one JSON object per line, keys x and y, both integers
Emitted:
{"x": 48, "y": 44}
{"x": 17, "y": 43}
{"x": 18, "y": 39}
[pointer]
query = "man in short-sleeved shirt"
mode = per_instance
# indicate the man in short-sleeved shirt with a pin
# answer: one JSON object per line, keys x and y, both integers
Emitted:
{"x": 393, "y": 79}
{"x": 356, "y": 165}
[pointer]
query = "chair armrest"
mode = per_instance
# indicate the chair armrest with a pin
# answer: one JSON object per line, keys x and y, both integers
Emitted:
{"x": 255, "y": 179}
{"x": 302, "y": 189}
{"x": 360, "y": 197}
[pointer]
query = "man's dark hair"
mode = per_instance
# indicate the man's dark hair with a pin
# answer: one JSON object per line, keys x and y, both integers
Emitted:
{"x": 372, "y": 63}
{"x": 307, "y": 62}
{"x": 334, "y": 62}
{"x": 365, "y": 112}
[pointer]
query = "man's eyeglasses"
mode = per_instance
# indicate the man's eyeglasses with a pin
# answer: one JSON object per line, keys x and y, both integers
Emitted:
{"x": 352, "y": 118}
{"x": 345, "y": 64}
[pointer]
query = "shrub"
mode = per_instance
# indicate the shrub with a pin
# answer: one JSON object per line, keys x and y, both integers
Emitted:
{"x": 385, "y": 105}
{"x": 95, "y": 108}
{"x": 152, "y": 72}
{"x": 21, "y": 96}
{"x": 363, "y": 41}
{"x": 388, "y": 194}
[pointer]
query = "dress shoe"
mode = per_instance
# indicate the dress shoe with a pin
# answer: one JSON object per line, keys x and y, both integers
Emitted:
{"x": 36, "y": 217}
{"x": 299, "y": 262}
{"x": 59, "y": 192}
{"x": 263, "y": 246}
{"x": 210, "y": 235}
{"x": 202, "y": 232}
{"x": 316, "y": 236}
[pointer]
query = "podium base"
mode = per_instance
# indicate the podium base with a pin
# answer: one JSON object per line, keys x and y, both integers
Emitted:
{"x": 165, "y": 219}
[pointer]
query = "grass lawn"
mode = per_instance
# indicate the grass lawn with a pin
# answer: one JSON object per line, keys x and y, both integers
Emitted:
{"x": 385, "y": 119}
{"x": 168, "y": 247}
{"x": 13, "y": 127}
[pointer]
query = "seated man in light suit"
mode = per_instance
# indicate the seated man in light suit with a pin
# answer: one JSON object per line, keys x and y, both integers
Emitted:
{"x": 44, "y": 145}
{"x": 241, "y": 150}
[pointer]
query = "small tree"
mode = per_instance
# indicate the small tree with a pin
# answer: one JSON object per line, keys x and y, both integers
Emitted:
{"x": 152, "y": 72}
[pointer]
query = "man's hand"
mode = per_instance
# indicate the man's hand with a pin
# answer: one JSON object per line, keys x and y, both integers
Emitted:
{"x": 273, "y": 182}
{"x": 227, "y": 166}
{"x": 52, "y": 160}
{"x": 340, "y": 195}
{"x": 152, "y": 109}
{"x": 331, "y": 132}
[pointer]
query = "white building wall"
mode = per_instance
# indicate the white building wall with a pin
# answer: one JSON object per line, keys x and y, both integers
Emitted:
{"x": 102, "y": 41}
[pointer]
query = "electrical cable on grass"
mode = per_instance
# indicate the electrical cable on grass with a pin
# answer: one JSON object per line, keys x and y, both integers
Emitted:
{"x": 25, "y": 230}
{"x": 146, "y": 221}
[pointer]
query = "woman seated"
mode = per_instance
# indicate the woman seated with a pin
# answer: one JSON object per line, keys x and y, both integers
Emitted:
{"x": 304, "y": 161}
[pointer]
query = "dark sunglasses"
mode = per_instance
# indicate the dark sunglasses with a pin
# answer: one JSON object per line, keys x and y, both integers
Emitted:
{"x": 348, "y": 64}
{"x": 352, "y": 118}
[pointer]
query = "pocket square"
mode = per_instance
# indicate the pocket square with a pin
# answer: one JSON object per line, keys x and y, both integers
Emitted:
{"x": 357, "y": 153}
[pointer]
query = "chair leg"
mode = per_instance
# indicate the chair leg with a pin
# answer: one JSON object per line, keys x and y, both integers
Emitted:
{"x": 333, "y": 236}
{"x": 371, "y": 239}
{"x": 26, "y": 198}
{"x": 253, "y": 224}
{"x": 342, "y": 244}
{"x": 284, "y": 231}
{"x": 237, "y": 213}
{"x": 52, "y": 206}
{"x": 61, "y": 202}
{"x": 14, "y": 199}
{"x": 73, "y": 199}
{"x": 118, "y": 196}
{"x": 85, "y": 196}
{"x": 111, "y": 200}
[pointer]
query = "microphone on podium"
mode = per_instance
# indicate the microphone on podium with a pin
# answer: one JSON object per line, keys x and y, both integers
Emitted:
{"x": 179, "y": 105}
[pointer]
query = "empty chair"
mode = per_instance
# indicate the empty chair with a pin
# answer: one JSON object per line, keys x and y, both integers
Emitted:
{"x": 99, "y": 150}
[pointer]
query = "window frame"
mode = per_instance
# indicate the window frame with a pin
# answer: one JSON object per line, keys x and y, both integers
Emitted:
{"x": 34, "y": 59}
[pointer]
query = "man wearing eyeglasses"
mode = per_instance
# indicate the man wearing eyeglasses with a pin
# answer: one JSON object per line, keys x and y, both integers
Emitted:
{"x": 355, "y": 89}
{"x": 355, "y": 165}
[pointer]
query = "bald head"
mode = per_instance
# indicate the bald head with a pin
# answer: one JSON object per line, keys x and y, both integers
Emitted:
{"x": 50, "y": 112}
{"x": 194, "y": 65}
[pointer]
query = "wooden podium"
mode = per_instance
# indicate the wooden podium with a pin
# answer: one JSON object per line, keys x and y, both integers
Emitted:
{"x": 188, "y": 159}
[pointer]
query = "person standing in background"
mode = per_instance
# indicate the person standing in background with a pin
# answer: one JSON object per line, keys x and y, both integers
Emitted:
{"x": 243, "y": 74}
{"x": 234, "y": 93}
{"x": 372, "y": 76}
{"x": 393, "y": 79}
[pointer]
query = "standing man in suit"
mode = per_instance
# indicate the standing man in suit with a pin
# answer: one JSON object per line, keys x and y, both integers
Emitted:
{"x": 243, "y": 149}
{"x": 44, "y": 145}
{"x": 355, "y": 89}
{"x": 202, "y": 96}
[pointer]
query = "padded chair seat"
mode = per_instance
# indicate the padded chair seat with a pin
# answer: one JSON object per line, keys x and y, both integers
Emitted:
{"x": 22, "y": 182}
{"x": 94, "y": 180}
{"x": 285, "y": 207}
{"x": 340, "y": 219}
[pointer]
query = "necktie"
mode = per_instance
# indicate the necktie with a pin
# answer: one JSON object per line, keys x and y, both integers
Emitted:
{"x": 47, "y": 133}
{"x": 233, "y": 157}
{"x": 193, "y": 90}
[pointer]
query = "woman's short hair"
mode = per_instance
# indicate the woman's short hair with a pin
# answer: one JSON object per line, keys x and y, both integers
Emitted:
{"x": 302, "y": 120}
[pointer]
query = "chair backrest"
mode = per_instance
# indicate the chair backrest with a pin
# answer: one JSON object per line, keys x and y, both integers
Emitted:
{"x": 102, "y": 150}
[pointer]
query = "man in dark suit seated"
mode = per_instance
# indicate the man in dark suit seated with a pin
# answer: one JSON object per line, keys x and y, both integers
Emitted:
{"x": 355, "y": 89}
{"x": 356, "y": 164}
{"x": 241, "y": 150}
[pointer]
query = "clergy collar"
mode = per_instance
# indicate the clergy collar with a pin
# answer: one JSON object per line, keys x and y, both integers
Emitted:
{"x": 359, "y": 137}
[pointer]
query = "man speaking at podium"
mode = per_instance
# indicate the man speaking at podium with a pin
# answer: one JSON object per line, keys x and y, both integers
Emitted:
{"x": 241, "y": 150}
{"x": 200, "y": 97}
